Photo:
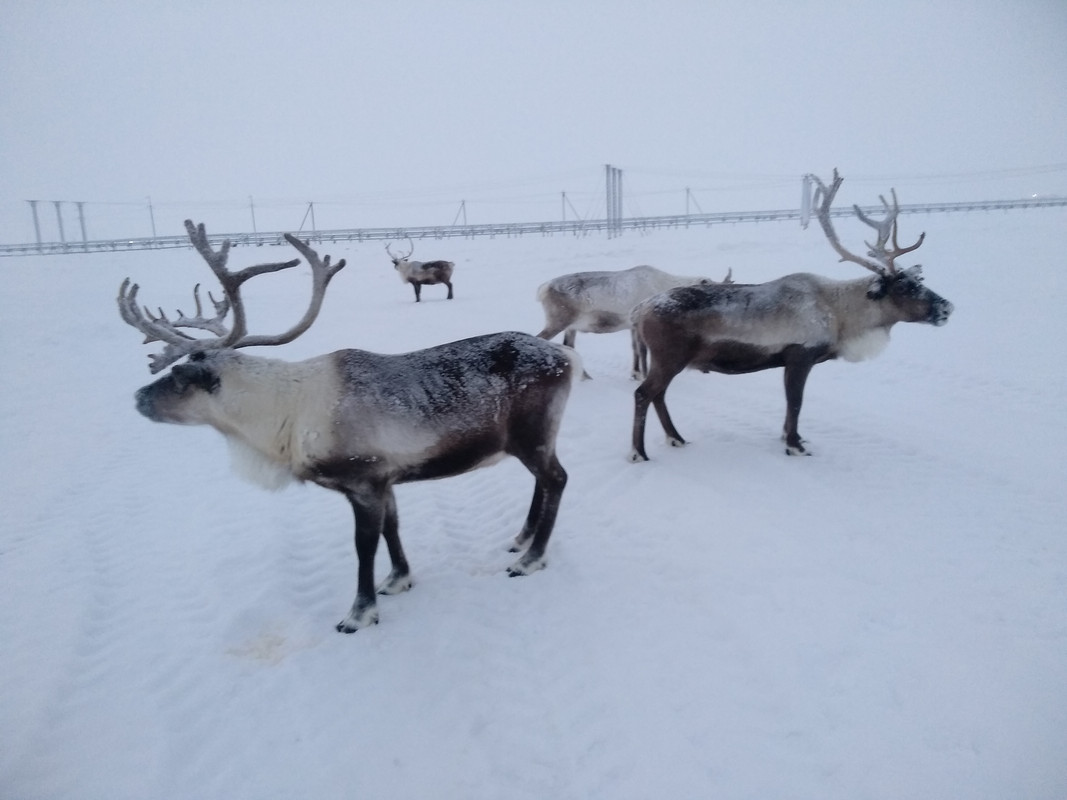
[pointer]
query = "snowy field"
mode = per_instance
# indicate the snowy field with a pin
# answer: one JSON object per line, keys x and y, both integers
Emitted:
{"x": 886, "y": 619}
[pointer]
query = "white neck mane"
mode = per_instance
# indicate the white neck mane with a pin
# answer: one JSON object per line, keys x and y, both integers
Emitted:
{"x": 256, "y": 468}
{"x": 867, "y": 344}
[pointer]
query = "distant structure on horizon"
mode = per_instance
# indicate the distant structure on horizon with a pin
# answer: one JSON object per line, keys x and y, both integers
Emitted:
{"x": 612, "y": 225}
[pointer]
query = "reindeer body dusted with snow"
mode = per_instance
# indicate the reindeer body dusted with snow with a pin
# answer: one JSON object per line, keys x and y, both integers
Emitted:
{"x": 794, "y": 322}
{"x": 601, "y": 301}
{"x": 422, "y": 273}
{"x": 360, "y": 422}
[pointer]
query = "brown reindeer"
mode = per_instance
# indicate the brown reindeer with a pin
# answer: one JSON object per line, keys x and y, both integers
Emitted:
{"x": 422, "y": 273}
{"x": 601, "y": 302}
{"x": 359, "y": 422}
{"x": 794, "y": 322}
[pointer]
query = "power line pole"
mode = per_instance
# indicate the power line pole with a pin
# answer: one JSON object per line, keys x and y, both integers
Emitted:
{"x": 618, "y": 202}
{"x": 613, "y": 192}
{"x": 310, "y": 212}
{"x": 36, "y": 222}
{"x": 461, "y": 213}
{"x": 689, "y": 197}
{"x": 81, "y": 219}
{"x": 805, "y": 201}
{"x": 59, "y": 218}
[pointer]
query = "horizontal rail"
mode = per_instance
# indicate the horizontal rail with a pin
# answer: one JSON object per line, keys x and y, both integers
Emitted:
{"x": 508, "y": 229}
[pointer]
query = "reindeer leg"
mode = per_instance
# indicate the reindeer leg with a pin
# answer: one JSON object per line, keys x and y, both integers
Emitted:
{"x": 570, "y": 335}
{"x": 418, "y": 290}
{"x": 640, "y": 354}
{"x": 548, "y": 491}
{"x": 674, "y": 439}
{"x": 550, "y": 330}
{"x": 449, "y": 285}
{"x": 369, "y": 506}
{"x": 641, "y": 401}
{"x": 797, "y": 368}
{"x": 654, "y": 390}
{"x": 399, "y": 578}
{"x": 533, "y": 517}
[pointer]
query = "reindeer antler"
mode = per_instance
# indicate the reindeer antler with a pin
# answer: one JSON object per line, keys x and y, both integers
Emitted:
{"x": 180, "y": 344}
{"x": 406, "y": 255}
{"x": 883, "y": 262}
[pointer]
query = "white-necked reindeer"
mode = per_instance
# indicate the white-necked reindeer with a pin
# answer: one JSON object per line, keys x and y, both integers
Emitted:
{"x": 422, "y": 273}
{"x": 359, "y": 422}
{"x": 601, "y": 302}
{"x": 794, "y": 322}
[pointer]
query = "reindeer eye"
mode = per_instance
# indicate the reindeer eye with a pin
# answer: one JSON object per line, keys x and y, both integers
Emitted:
{"x": 187, "y": 376}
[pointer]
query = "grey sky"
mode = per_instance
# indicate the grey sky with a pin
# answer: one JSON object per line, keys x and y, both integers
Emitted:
{"x": 392, "y": 113}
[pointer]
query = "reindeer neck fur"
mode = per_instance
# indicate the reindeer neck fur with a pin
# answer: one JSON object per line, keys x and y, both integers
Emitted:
{"x": 276, "y": 415}
{"x": 863, "y": 323}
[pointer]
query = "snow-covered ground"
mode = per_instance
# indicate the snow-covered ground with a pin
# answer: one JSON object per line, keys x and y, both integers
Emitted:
{"x": 886, "y": 619}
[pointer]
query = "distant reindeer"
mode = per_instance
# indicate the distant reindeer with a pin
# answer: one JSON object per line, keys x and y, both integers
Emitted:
{"x": 601, "y": 302}
{"x": 794, "y": 322}
{"x": 359, "y": 422}
{"x": 422, "y": 273}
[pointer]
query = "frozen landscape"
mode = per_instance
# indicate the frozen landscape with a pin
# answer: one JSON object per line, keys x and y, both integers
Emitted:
{"x": 886, "y": 619}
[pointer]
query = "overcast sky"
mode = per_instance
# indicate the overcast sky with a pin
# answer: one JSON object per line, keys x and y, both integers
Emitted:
{"x": 393, "y": 113}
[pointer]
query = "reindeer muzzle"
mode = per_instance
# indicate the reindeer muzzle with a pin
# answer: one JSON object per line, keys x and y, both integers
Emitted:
{"x": 146, "y": 403}
{"x": 939, "y": 314}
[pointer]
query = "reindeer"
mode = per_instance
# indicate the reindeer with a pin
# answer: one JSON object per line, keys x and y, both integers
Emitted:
{"x": 359, "y": 422}
{"x": 794, "y": 322}
{"x": 601, "y": 302}
{"x": 422, "y": 273}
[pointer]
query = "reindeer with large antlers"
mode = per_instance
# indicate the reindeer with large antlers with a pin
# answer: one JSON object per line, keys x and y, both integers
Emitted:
{"x": 794, "y": 322}
{"x": 421, "y": 273}
{"x": 359, "y": 422}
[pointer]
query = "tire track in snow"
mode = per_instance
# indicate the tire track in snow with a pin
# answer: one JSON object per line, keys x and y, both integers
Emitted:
{"x": 516, "y": 701}
{"x": 110, "y": 626}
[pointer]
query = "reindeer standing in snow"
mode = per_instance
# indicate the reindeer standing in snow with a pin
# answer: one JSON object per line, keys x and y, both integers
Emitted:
{"x": 601, "y": 302}
{"x": 359, "y": 422}
{"x": 794, "y": 322}
{"x": 422, "y": 273}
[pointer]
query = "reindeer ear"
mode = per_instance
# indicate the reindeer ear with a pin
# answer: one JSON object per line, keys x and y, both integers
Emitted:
{"x": 915, "y": 273}
{"x": 878, "y": 288}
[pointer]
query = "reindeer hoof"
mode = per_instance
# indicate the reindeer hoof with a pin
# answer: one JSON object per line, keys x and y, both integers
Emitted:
{"x": 675, "y": 442}
{"x": 798, "y": 450}
{"x": 636, "y": 457}
{"x": 359, "y": 618}
{"x": 344, "y": 626}
{"x": 395, "y": 584}
{"x": 526, "y": 566}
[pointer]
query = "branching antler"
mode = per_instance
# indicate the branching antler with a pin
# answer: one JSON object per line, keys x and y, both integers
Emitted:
{"x": 404, "y": 257}
{"x": 179, "y": 344}
{"x": 214, "y": 325}
{"x": 883, "y": 259}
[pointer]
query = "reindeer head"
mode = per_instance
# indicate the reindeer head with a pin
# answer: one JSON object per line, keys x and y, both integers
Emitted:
{"x": 902, "y": 288}
{"x": 398, "y": 260}
{"x": 178, "y": 343}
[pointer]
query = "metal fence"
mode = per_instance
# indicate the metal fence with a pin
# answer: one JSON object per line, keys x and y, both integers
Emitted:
{"x": 609, "y": 227}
